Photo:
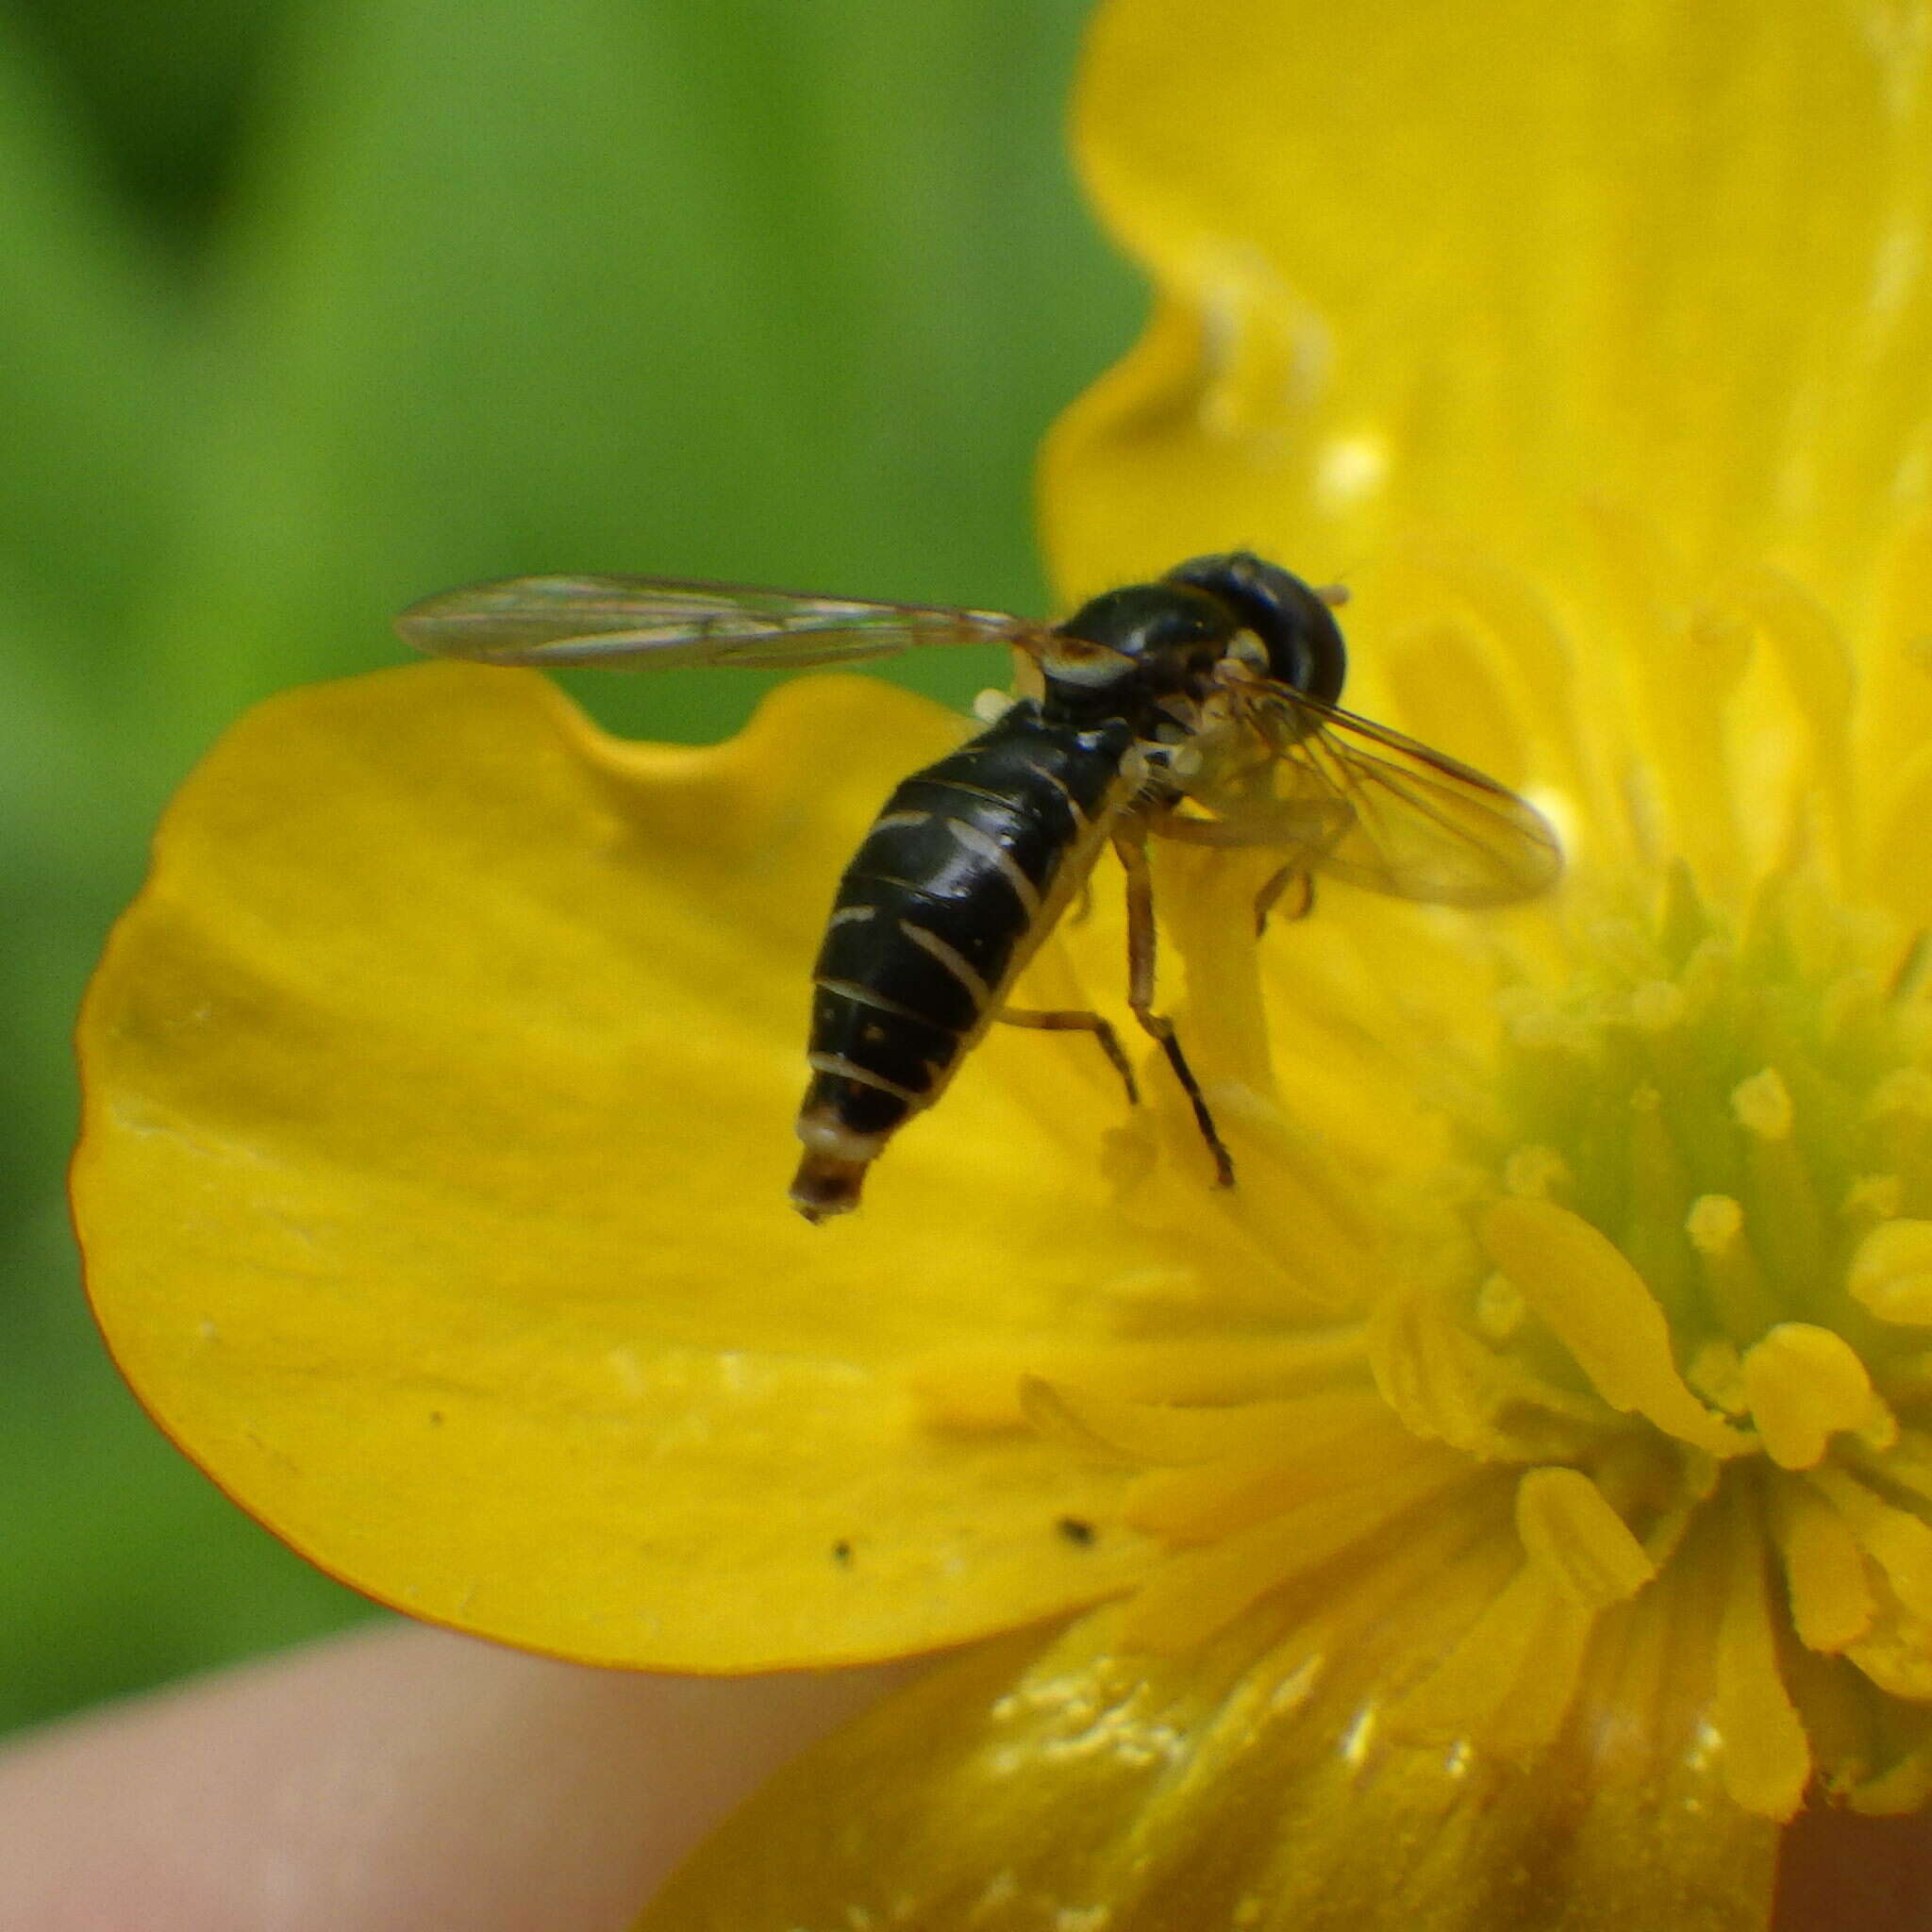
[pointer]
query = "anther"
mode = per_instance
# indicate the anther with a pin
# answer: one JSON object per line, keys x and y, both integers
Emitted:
{"x": 1714, "y": 1223}
{"x": 1762, "y": 1106}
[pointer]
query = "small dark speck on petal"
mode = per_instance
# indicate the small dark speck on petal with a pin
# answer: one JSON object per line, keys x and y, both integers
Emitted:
{"x": 1076, "y": 1532}
{"x": 436, "y": 1418}
{"x": 842, "y": 1553}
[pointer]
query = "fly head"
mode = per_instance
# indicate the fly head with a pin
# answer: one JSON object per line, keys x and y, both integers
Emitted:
{"x": 1296, "y": 628}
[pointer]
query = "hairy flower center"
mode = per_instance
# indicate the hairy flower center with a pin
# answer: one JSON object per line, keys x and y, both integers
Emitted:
{"x": 1722, "y": 1135}
{"x": 1641, "y": 1307}
{"x": 1690, "y": 1273}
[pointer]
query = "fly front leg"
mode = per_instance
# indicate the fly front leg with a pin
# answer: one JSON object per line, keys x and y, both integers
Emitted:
{"x": 1078, "y": 1021}
{"x": 1270, "y": 895}
{"x": 1308, "y": 827}
{"x": 1131, "y": 845}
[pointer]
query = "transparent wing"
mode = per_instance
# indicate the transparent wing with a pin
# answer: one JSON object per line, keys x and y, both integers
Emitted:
{"x": 647, "y": 623}
{"x": 1358, "y": 802}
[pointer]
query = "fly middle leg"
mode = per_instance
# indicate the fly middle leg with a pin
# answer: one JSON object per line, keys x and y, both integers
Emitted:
{"x": 1131, "y": 844}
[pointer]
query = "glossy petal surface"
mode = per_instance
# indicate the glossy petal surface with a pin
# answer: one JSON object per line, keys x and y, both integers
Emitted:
{"x": 434, "y": 1188}
{"x": 1423, "y": 268}
{"x": 1041, "y": 1783}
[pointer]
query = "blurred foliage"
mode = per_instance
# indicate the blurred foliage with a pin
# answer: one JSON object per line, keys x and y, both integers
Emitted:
{"x": 309, "y": 309}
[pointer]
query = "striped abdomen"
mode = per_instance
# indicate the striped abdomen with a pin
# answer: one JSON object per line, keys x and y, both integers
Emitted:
{"x": 960, "y": 876}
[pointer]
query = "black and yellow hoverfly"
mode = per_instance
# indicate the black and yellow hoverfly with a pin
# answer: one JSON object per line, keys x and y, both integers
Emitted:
{"x": 1199, "y": 708}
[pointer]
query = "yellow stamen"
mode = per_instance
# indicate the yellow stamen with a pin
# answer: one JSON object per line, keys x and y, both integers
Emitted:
{"x": 1573, "y": 1536}
{"x": 1832, "y": 1603}
{"x": 1892, "y": 1271}
{"x": 1512, "y": 1677}
{"x": 1803, "y": 1383}
{"x": 1199, "y": 1591}
{"x": 1598, "y": 1306}
{"x": 1733, "y": 1282}
{"x": 1767, "y": 1759}
{"x": 1898, "y": 1542}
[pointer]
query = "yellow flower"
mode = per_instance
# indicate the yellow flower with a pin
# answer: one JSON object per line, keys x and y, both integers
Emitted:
{"x": 1516, "y": 1497}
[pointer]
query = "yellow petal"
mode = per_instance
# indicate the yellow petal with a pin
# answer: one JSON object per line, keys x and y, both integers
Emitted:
{"x": 1059, "y": 1783}
{"x": 1422, "y": 268}
{"x": 440, "y": 1089}
{"x": 1895, "y": 753}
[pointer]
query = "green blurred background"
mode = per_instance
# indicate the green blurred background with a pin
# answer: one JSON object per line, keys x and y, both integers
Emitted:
{"x": 307, "y": 309}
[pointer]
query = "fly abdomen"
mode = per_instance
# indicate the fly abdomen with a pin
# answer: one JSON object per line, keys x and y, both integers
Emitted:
{"x": 957, "y": 880}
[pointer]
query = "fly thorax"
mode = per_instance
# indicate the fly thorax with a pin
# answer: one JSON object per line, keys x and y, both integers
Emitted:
{"x": 1086, "y": 680}
{"x": 1126, "y": 654}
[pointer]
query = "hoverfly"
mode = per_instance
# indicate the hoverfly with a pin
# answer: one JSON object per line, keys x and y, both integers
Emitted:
{"x": 1199, "y": 708}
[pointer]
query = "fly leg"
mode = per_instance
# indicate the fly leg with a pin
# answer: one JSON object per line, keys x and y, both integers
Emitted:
{"x": 1266, "y": 899}
{"x": 1308, "y": 829}
{"x": 1076, "y": 1022}
{"x": 1132, "y": 848}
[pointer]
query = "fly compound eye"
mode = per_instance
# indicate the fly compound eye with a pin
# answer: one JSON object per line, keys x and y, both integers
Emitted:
{"x": 1296, "y": 627}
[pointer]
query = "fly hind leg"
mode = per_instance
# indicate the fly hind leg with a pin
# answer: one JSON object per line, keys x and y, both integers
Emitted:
{"x": 1132, "y": 849}
{"x": 1078, "y": 1021}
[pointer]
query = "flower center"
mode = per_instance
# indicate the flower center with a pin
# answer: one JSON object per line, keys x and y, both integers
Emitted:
{"x": 1686, "y": 1284}
{"x": 1643, "y": 1300}
{"x": 1717, "y": 1139}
